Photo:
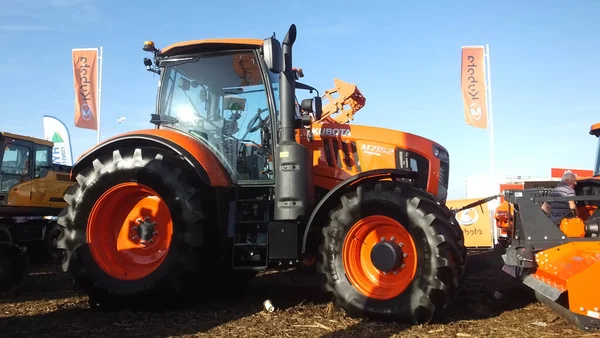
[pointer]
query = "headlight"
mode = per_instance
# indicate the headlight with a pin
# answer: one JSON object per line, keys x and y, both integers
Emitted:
{"x": 441, "y": 153}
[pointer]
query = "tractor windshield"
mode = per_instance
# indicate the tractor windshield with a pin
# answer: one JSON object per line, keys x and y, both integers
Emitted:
{"x": 222, "y": 99}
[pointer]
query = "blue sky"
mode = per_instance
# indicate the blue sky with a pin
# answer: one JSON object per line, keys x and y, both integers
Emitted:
{"x": 404, "y": 56}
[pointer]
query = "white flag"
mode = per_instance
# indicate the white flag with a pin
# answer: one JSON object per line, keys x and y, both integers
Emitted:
{"x": 56, "y": 131}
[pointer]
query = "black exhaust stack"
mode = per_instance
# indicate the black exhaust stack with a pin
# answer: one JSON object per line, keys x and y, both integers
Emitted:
{"x": 294, "y": 190}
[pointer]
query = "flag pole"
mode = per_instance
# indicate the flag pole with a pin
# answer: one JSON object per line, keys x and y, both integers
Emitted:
{"x": 490, "y": 112}
{"x": 490, "y": 121}
{"x": 98, "y": 109}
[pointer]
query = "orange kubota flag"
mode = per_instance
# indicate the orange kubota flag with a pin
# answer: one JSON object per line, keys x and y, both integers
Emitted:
{"x": 473, "y": 86}
{"x": 85, "y": 72}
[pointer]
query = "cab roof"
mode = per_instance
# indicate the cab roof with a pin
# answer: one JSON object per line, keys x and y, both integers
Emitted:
{"x": 210, "y": 44}
{"x": 25, "y": 138}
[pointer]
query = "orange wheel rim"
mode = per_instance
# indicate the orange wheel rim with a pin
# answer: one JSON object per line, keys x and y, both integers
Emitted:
{"x": 392, "y": 272}
{"x": 129, "y": 231}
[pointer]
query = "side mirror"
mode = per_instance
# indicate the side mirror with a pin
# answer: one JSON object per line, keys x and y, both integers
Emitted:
{"x": 272, "y": 55}
{"x": 314, "y": 105}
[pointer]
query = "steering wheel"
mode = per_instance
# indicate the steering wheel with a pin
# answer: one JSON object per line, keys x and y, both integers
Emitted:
{"x": 257, "y": 122}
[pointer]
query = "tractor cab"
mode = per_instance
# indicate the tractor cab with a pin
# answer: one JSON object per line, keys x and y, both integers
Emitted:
{"x": 223, "y": 93}
{"x": 25, "y": 163}
{"x": 21, "y": 160}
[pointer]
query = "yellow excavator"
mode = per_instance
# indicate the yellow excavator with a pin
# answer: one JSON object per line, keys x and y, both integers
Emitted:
{"x": 31, "y": 197}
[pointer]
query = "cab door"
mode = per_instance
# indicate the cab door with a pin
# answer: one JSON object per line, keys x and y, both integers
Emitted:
{"x": 16, "y": 172}
{"x": 46, "y": 189}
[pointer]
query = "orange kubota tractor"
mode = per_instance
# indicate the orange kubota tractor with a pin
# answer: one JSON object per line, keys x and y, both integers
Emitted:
{"x": 238, "y": 177}
{"x": 560, "y": 262}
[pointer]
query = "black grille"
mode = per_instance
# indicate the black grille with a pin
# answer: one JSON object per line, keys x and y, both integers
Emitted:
{"x": 444, "y": 173}
{"x": 407, "y": 159}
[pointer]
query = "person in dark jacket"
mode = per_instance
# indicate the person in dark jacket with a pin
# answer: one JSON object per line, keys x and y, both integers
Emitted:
{"x": 559, "y": 210}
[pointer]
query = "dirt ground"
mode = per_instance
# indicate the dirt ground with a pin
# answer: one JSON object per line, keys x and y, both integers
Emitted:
{"x": 47, "y": 305}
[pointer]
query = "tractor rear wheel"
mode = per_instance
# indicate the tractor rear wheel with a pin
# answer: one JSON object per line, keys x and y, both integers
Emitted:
{"x": 132, "y": 226}
{"x": 390, "y": 253}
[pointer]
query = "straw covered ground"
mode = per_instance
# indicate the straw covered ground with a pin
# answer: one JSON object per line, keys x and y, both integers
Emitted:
{"x": 491, "y": 305}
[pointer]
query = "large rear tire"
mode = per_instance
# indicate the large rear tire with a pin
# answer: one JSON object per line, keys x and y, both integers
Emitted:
{"x": 132, "y": 227}
{"x": 415, "y": 244}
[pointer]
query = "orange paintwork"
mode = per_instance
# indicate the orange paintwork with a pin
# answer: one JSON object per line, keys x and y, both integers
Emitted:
{"x": 112, "y": 231}
{"x": 573, "y": 267}
{"x": 217, "y": 174}
{"x": 198, "y": 43}
{"x": 375, "y": 149}
{"x": 40, "y": 192}
{"x": 356, "y": 257}
{"x": 573, "y": 227}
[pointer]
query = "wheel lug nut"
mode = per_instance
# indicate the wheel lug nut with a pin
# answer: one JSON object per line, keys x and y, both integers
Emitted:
{"x": 395, "y": 272}
{"x": 393, "y": 238}
{"x": 382, "y": 239}
{"x": 134, "y": 238}
{"x": 402, "y": 266}
{"x": 401, "y": 244}
{"x": 405, "y": 255}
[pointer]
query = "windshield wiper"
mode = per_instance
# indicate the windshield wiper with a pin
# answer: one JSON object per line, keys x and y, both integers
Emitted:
{"x": 176, "y": 61}
{"x": 158, "y": 119}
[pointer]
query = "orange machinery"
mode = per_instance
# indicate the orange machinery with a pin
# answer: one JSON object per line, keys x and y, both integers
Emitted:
{"x": 237, "y": 177}
{"x": 561, "y": 262}
{"x": 31, "y": 190}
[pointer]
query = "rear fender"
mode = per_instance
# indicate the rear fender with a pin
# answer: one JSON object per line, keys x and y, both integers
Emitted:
{"x": 322, "y": 209}
{"x": 207, "y": 165}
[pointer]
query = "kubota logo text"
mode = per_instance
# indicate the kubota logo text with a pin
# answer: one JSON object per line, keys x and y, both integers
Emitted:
{"x": 331, "y": 131}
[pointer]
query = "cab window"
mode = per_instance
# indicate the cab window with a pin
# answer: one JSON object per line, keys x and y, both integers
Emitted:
{"x": 15, "y": 160}
{"x": 42, "y": 158}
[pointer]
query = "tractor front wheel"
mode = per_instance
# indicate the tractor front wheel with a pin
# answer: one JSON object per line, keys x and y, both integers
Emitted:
{"x": 390, "y": 252}
{"x": 132, "y": 225}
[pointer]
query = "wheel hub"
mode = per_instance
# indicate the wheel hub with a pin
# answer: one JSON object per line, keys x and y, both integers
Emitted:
{"x": 145, "y": 230}
{"x": 387, "y": 256}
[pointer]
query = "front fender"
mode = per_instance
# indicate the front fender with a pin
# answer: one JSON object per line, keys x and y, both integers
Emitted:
{"x": 332, "y": 197}
{"x": 208, "y": 166}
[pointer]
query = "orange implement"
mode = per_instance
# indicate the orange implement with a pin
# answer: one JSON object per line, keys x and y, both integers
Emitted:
{"x": 348, "y": 102}
{"x": 573, "y": 267}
